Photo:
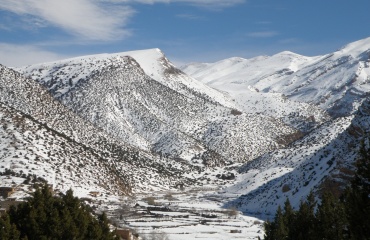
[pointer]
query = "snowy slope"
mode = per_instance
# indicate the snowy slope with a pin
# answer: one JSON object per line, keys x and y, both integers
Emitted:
{"x": 335, "y": 82}
{"x": 323, "y": 160}
{"x": 242, "y": 80}
{"x": 240, "y": 70}
{"x": 38, "y": 130}
{"x": 293, "y": 172}
{"x": 156, "y": 65}
{"x": 153, "y": 62}
{"x": 29, "y": 148}
{"x": 144, "y": 100}
{"x": 140, "y": 98}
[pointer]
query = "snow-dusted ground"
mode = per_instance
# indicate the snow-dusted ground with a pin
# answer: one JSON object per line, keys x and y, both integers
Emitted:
{"x": 187, "y": 215}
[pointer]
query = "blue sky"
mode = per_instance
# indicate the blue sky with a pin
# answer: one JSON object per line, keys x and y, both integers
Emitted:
{"x": 33, "y": 31}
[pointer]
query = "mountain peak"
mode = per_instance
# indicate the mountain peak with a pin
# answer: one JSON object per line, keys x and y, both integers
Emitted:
{"x": 287, "y": 53}
{"x": 330, "y": 81}
{"x": 356, "y": 48}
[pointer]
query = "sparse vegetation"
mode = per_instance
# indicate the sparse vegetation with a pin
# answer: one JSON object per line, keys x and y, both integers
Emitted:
{"x": 236, "y": 112}
{"x": 233, "y": 212}
{"x": 286, "y": 188}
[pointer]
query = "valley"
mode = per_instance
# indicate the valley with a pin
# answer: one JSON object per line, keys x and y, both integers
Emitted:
{"x": 207, "y": 150}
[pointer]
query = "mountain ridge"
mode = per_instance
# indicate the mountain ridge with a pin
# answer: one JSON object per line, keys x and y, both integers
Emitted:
{"x": 170, "y": 114}
{"x": 124, "y": 162}
{"x": 279, "y": 126}
{"x": 335, "y": 85}
{"x": 317, "y": 80}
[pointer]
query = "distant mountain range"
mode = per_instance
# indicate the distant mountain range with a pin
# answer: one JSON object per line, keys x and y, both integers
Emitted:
{"x": 119, "y": 123}
{"x": 337, "y": 82}
{"x": 336, "y": 88}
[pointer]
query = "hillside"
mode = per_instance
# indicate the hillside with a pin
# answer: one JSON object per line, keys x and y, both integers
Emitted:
{"x": 336, "y": 82}
{"x": 334, "y": 87}
{"x": 70, "y": 152}
{"x": 259, "y": 130}
{"x": 150, "y": 104}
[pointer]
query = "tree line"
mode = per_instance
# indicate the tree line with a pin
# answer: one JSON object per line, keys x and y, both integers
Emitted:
{"x": 45, "y": 217}
{"x": 344, "y": 218}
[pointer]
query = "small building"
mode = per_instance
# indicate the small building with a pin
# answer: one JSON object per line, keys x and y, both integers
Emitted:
{"x": 5, "y": 192}
{"x": 125, "y": 234}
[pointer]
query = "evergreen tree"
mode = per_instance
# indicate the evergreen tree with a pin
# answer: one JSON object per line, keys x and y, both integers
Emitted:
{"x": 8, "y": 230}
{"x": 277, "y": 228}
{"x": 357, "y": 198}
{"x": 103, "y": 223}
{"x": 269, "y": 230}
{"x": 289, "y": 218}
{"x": 334, "y": 219}
{"x": 281, "y": 230}
{"x": 362, "y": 176}
{"x": 331, "y": 218}
{"x": 303, "y": 226}
{"x": 47, "y": 217}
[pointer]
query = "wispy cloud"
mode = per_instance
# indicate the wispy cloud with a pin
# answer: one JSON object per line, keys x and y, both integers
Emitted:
{"x": 263, "y": 34}
{"x": 82, "y": 18}
{"x": 199, "y": 3}
{"x": 81, "y": 21}
{"x": 5, "y": 27}
{"x": 100, "y": 20}
{"x": 12, "y": 55}
{"x": 212, "y": 3}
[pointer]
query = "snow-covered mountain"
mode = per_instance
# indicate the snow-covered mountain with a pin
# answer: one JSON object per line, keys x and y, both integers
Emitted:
{"x": 319, "y": 162}
{"x": 40, "y": 136}
{"x": 336, "y": 82}
{"x": 282, "y": 125}
{"x": 279, "y": 85}
{"x": 142, "y": 99}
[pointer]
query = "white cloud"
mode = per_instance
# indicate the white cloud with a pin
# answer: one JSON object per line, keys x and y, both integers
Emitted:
{"x": 86, "y": 19}
{"x": 224, "y": 3}
{"x": 12, "y": 55}
{"x": 212, "y": 3}
{"x": 101, "y": 20}
{"x": 263, "y": 34}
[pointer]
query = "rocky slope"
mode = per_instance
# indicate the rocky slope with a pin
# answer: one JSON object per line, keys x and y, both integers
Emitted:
{"x": 37, "y": 129}
{"x": 321, "y": 161}
{"x": 144, "y": 100}
{"x": 276, "y": 127}
{"x": 336, "y": 83}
